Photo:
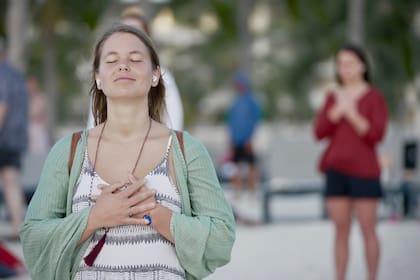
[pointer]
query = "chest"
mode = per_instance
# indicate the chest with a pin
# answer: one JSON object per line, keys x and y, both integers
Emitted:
{"x": 115, "y": 161}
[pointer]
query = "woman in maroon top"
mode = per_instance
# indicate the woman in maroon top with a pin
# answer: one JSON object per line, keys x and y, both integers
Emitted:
{"x": 353, "y": 120}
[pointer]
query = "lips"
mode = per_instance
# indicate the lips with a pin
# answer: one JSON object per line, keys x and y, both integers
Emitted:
{"x": 124, "y": 79}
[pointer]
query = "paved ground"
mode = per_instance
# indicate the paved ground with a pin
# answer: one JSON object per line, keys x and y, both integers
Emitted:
{"x": 298, "y": 245}
{"x": 302, "y": 250}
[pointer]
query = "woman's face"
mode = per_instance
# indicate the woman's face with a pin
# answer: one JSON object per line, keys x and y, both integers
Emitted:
{"x": 349, "y": 67}
{"x": 125, "y": 68}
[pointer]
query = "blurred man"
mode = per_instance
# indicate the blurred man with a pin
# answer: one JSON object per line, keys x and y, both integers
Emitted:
{"x": 13, "y": 137}
{"x": 243, "y": 118}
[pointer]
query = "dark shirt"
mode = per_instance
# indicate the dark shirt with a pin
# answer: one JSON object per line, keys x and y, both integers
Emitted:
{"x": 13, "y": 93}
{"x": 347, "y": 151}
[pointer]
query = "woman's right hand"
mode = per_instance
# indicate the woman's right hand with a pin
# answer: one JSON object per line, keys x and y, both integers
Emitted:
{"x": 339, "y": 107}
{"x": 122, "y": 204}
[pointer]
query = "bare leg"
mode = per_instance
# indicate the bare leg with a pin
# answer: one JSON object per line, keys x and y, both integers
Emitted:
{"x": 14, "y": 196}
{"x": 253, "y": 178}
{"x": 340, "y": 211}
{"x": 236, "y": 182}
{"x": 366, "y": 211}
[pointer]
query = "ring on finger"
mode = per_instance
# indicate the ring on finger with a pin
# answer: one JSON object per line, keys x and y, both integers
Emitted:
{"x": 123, "y": 187}
{"x": 148, "y": 218}
{"x": 130, "y": 214}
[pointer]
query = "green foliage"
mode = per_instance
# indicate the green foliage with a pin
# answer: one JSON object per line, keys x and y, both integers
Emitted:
{"x": 320, "y": 29}
{"x": 2, "y": 16}
{"x": 308, "y": 31}
{"x": 70, "y": 30}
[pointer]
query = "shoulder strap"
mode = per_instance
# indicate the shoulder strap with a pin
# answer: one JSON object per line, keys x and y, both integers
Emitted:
{"x": 74, "y": 140}
{"x": 180, "y": 136}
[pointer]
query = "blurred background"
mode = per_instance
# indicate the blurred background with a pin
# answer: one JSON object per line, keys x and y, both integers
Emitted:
{"x": 287, "y": 49}
{"x": 286, "y": 46}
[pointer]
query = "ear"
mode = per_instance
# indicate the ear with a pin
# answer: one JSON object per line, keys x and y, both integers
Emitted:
{"x": 98, "y": 81}
{"x": 156, "y": 76}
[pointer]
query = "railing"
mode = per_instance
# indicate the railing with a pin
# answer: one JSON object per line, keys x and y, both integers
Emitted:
{"x": 401, "y": 198}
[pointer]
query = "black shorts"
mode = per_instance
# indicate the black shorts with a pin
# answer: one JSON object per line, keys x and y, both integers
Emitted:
{"x": 339, "y": 184}
{"x": 10, "y": 158}
{"x": 242, "y": 154}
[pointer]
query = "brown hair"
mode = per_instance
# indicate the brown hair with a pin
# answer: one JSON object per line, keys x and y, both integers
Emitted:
{"x": 136, "y": 13}
{"x": 156, "y": 95}
{"x": 361, "y": 55}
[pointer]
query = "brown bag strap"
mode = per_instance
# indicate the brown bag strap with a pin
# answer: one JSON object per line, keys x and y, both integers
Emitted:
{"x": 74, "y": 140}
{"x": 180, "y": 136}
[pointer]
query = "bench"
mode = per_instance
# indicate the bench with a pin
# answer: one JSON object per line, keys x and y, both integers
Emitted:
{"x": 282, "y": 187}
{"x": 393, "y": 195}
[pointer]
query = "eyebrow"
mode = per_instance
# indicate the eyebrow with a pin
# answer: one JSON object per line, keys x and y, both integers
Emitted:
{"x": 116, "y": 53}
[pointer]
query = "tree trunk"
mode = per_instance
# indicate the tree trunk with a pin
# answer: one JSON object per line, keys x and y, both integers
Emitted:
{"x": 50, "y": 77}
{"x": 244, "y": 8}
{"x": 17, "y": 26}
{"x": 355, "y": 22}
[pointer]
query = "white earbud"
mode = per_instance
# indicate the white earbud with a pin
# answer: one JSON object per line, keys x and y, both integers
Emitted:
{"x": 98, "y": 83}
{"x": 154, "y": 79}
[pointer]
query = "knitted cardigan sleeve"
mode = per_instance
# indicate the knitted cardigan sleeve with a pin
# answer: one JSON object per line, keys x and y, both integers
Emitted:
{"x": 204, "y": 232}
{"x": 49, "y": 233}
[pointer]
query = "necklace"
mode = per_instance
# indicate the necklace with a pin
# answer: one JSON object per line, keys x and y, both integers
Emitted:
{"x": 139, "y": 154}
{"x": 90, "y": 258}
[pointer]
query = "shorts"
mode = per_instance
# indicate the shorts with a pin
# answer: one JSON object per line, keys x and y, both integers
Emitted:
{"x": 10, "y": 158}
{"x": 243, "y": 153}
{"x": 339, "y": 184}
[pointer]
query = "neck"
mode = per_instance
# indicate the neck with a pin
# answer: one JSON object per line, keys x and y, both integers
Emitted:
{"x": 356, "y": 85}
{"x": 127, "y": 121}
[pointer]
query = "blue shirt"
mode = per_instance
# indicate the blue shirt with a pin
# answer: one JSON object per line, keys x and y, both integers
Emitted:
{"x": 13, "y": 93}
{"x": 243, "y": 118}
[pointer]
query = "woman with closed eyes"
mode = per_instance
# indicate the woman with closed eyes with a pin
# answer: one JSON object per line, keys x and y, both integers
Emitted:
{"x": 137, "y": 200}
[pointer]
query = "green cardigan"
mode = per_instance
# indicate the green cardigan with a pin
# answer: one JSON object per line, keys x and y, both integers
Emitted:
{"x": 204, "y": 232}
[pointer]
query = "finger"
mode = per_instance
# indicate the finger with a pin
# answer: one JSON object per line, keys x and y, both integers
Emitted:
{"x": 140, "y": 210}
{"x": 141, "y": 196}
{"x": 135, "y": 181}
{"x": 94, "y": 197}
{"x": 150, "y": 199}
{"x": 137, "y": 221}
{"x": 132, "y": 178}
{"x": 115, "y": 187}
{"x": 134, "y": 187}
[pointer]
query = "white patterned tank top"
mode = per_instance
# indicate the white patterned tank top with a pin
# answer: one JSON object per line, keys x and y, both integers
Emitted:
{"x": 131, "y": 251}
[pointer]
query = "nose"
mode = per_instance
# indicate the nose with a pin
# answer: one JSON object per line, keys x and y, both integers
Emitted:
{"x": 124, "y": 68}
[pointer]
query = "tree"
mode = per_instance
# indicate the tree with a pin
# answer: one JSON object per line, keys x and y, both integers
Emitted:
{"x": 65, "y": 35}
{"x": 16, "y": 24}
{"x": 355, "y": 21}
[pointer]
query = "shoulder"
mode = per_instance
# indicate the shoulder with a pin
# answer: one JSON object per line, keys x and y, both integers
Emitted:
{"x": 376, "y": 95}
{"x": 330, "y": 96}
{"x": 375, "y": 92}
{"x": 59, "y": 154}
{"x": 62, "y": 145}
{"x": 191, "y": 140}
{"x": 192, "y": 145}
{"x": 10, "y": 72}
{"x": 60, "y": 151}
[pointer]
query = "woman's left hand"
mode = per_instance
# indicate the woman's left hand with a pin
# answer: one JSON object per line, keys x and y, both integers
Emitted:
{"x": 140, "y": 208}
